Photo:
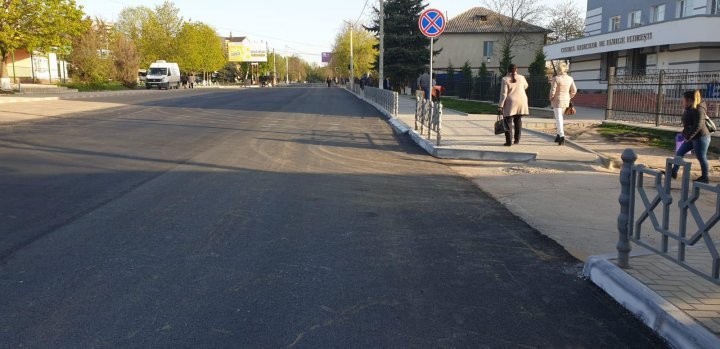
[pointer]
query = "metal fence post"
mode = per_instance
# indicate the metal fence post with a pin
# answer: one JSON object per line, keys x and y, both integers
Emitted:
{"x": 623, "y": 246}
{"x": 439, "y": 123}
{"x": 660, "y": 97}
{"x": 610, "y": 89}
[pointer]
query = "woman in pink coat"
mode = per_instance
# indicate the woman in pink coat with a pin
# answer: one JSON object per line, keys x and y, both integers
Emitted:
{"x": 563, "y": 90}
{"x": 513, "y": 103}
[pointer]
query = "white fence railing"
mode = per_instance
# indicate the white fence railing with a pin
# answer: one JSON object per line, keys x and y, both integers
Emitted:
{"x": 384, "y": 99}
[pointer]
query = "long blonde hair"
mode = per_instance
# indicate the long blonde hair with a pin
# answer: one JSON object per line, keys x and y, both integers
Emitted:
{"x": 695, "y": 96}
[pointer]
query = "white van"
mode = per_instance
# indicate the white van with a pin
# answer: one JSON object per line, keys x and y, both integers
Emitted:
{"x": 163, "y": 75}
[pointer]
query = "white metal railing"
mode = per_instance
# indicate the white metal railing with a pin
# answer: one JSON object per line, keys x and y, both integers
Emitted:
{"x": 387, "y": 100}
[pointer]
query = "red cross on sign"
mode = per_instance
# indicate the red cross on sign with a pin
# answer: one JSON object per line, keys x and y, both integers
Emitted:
{"x": 432, "y": 23}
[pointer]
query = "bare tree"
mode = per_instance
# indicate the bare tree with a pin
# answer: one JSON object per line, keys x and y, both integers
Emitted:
{"x": 566, "y": 21}
{"x": 519, "y": 16}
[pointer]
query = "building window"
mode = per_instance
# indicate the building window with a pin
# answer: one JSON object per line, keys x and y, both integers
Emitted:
{"x": 488, "y": 48}
{"x": 684, "y": 8}
{"x": 657, "y": 13}
{"x": 635, "y": 19}
{"x": 614, "y": 24}
{"x": 607, "y": 60}
{"x": 714, "y": 10}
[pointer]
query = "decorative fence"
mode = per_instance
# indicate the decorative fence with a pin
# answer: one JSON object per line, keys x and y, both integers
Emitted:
{"x": 428, "y": 116}
{"x": 656, "y": 98}
{"x": 385, "y": 99}
{"x": 631, "y": 224}
{"x": 488, "y": 88}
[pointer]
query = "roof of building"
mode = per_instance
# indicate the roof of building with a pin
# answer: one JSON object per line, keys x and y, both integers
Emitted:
{"x": 482, "y": 20}
{"x": 235, "y": 39}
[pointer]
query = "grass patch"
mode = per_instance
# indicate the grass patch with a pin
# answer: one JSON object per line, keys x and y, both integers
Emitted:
{"x": 470, "y": 107}
{"x": 622, "y": 133}
{"x": 89, "y": 87}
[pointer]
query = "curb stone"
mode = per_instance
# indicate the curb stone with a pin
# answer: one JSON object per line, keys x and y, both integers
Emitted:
{"x": 665, "y": 319}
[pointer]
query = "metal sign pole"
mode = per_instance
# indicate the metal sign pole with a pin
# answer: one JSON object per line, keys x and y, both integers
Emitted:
{"x": 431, "y": 70}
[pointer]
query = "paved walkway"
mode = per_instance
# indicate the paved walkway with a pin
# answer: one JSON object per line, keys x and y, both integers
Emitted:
{"x": 475, "y": 132}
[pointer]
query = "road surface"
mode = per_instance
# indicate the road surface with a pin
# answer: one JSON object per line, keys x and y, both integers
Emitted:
{"x": 283, "y": 218}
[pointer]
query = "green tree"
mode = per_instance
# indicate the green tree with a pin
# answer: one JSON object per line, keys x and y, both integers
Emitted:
{"x": 466, "y": 81}
{"x": 539, "y": 84}
{"x": 506, "y": 60}
{"x": 406, "y": 48}
{"x": 229, "y": 73}
{"x": 36, "y": 25}
{"x": 481, "y": 87}
{"x": 450, "y": 88}
{"x": 130, "y": 21}
{"x": 364, "y": 51}
{"x": 199, "y": 48}
{"x": 158, "y": 32}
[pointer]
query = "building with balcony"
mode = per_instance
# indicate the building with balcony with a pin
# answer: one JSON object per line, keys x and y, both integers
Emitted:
{"x": 642, "y": 37}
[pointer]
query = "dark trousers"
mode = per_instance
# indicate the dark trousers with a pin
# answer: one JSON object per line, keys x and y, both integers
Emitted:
{"x": 509, "y": 121}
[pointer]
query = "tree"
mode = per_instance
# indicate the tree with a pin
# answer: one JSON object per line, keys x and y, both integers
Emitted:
{"x": 506, "y": 60}
{"x": 406, "y": 48}
{"x": 518, "y": 17}
{"x": 130, "y": 21}
{"x": 126, "y": 61}
{"x": 450, "y": 88}
{"x": 36, "y": 25}
{"x": 199, "y": 48}
{"x": 567, "y": 21}
{"x": 481, "y": 89}
{"x": 539, "y": 84}
{"x": 86, "y": 63}
{"x": 229, "y": 73}
{"x": 158, "y": 32}
{"x": 466, "y": 81}
{"x": 364, "y": 51}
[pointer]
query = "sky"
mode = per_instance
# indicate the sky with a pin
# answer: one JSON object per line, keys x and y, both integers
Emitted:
{"x": 305, "y": 28}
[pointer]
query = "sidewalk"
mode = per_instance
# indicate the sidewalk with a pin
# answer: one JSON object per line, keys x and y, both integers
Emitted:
{"x": 472, "y": 137}
{"x": 20, "y": 98}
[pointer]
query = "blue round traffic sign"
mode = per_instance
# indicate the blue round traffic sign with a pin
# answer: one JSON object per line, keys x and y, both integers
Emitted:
{"x": 432, "y": 23}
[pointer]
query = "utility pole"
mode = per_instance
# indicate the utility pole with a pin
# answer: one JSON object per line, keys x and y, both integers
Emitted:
{"x": 287, "y": 67}
{"x": 352, "y": 57}
{"x": 381, "y": 73}
{"x": 274, "y": 68}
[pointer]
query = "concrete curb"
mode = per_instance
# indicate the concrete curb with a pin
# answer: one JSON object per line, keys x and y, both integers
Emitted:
{"x": 80, "y": 95}
{"x": 671, "y": 323}
{"x": 606, "y": 161}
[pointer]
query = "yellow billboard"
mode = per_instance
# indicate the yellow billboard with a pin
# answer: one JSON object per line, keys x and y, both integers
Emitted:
{"x": 246, "y": 51}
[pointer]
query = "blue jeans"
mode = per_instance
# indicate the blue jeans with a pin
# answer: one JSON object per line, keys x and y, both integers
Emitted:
{"x": 700, "y": 148}
{"x": 427, "y": 92}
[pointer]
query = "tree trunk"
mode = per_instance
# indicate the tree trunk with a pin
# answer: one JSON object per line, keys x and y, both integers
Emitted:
{"x": 4, "y": 76}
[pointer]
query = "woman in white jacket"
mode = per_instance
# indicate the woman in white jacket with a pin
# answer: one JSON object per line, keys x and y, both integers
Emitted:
{"x": 561, "y": 93}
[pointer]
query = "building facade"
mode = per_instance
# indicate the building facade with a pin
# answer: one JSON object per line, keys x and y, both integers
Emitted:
{"x": 642, "y": 37}
{"x": 476, "y": 36}
{"x": 26, "y": 67}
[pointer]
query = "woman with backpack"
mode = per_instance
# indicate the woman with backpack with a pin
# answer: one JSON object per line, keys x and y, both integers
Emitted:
{"x": 696, "y": 133}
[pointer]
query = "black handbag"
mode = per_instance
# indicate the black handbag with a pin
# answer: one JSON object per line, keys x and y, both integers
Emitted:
{"x": 500, "y": 125}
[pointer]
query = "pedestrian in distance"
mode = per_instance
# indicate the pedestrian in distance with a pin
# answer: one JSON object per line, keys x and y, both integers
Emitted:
{"x": 191, "y": 80}
{"x": 424, "y": 84}
{"x": 513, "y": 103}
{"x": 562, "y": 92}
{"x": 329, "y": 81}
{"x": 184, "y": 80}
{"x": 695, "y": 132}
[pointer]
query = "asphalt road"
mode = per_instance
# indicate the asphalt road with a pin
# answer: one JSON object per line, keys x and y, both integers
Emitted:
{"x": 283, "y": 218}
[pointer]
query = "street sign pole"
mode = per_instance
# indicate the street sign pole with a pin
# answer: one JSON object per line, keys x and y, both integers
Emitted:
{"x": 431, "y": 71}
